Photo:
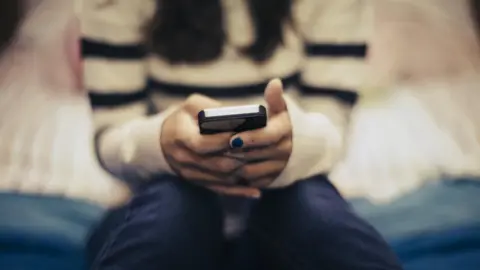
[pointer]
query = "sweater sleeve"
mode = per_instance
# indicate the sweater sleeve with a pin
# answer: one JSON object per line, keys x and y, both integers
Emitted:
{"x": 115, "y": 74}
{"x": 335, "y": 34}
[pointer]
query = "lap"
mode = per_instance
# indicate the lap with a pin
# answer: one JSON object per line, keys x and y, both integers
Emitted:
{"x": 305, "y": 226}
{"x": 309, "y": 225}
{"x": 169, "y": 223}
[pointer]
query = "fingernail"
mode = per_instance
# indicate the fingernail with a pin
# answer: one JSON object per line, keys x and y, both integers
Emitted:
{"x": 275, "y": 81}
{"x": 236, "y": 143}
{"x": 256, "y": 195}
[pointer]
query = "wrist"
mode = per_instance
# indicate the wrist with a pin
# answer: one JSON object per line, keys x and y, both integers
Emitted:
{"x": 316, "y": 146}
{"x": 134, "y": 149}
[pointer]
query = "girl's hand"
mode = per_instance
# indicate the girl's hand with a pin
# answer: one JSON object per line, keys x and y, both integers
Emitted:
{"x": 265, "y": 151}
{"x": 199, "y": 158}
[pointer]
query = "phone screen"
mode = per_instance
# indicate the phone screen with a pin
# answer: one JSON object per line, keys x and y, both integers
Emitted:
{"x": 223, "y": 125}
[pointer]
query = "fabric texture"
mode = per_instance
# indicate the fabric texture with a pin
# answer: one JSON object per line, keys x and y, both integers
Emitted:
{"x": 418, "y": 122}
{"x": 45, "y": 233}
{"x": 122, "y": 78}
{"x": 436, "y": 226}
{"x": 173, "y": 224}
{"x": 457, "y": 248}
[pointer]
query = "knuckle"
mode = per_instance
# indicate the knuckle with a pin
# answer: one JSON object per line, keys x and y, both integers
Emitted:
{"x": 177, "y": 141}
{"x": 226, "y": 165}
{"x": 275, "y": 133}
{"x": 208, "y": 177}
{"x": 187, "y": 174}
{"x": 289, "y": 132}
{"x": 286, "y": 147}
{"x": 181, "y": 156}
{"x": 248, "y": 140}
{"x": 190, "y": 103}
{"x": 264, "y": 182}
{"x": 196, "y": 175}
{"x": 247, "y": 171}
{"x": 194, "y": 145}
{"x": 285, "y": 116}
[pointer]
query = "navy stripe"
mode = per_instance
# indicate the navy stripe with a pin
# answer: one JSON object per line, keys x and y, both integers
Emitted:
{"x": 92, "y": 48}
{"x": 346, "y": 96}
{"x": 116, "y": 99}
{"x": 337, "y": 50}
{"x": 219, "y": 92}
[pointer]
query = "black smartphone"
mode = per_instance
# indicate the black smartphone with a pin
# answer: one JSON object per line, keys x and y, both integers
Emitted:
{"x": 232, "y": 119}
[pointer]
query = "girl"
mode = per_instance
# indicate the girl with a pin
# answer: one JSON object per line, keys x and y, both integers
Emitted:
{"x": 160, "y": 53}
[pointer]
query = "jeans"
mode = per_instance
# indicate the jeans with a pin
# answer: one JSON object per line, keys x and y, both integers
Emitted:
{"x": 173, "y": 225}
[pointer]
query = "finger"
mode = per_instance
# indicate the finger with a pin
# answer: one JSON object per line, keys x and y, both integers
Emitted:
{"x": 196, "y": 103}
{"x": 180, "y": 164}
{"x": 192, "y": 174}
{"x": 189, "y": 136}
{"x": 237, "y": 191}
{"x": 280, "y": 151}
{"x": 274, "y": 97}
{"x": 255, "y": 171}
{"x": 277, "y": 128}
{"x": 263, "y": 182}
{"x": 219, "y": 165}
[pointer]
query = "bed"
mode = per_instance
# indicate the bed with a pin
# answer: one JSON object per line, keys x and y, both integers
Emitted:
{"x": 436, "y": 226}
{"x": 44, "y": 233}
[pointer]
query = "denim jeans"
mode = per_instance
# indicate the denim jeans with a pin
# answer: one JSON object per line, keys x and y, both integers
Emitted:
{"x": 173, "y": 225}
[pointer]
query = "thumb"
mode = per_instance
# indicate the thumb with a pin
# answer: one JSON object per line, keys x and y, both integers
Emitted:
{"x": 274, "y": 97}
{"x": 196, "y": 103}
{"x": 253, "y": 193}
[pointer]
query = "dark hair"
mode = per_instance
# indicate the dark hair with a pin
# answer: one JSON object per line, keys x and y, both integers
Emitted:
{"x": 191, "y": 31}
{"x": 10, "y": 16}
{"x": 475, "y": 7}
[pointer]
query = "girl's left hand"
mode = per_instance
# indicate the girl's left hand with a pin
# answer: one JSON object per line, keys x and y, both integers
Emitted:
{"x": 265, "y": 151}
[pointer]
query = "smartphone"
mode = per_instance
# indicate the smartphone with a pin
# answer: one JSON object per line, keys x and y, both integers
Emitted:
{"x": 232, "y": 119}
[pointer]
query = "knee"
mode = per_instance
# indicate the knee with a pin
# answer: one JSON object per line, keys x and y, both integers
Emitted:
{"x": 173, "y": 202}
{"x": 313, "y": 199}
{"x": 168, "y": 223}
{"x": 312, "y": 205}
{"x": 310, "y": 220}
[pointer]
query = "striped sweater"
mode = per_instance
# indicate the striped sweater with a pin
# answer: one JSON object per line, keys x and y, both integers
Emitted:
{"x": 322, "y": 63}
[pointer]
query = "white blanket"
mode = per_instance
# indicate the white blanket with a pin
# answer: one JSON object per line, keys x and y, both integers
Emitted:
{"x": 411, "y": 135}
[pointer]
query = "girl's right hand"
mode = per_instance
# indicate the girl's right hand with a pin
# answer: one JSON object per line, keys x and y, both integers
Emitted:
{"x": 200, "y": 158}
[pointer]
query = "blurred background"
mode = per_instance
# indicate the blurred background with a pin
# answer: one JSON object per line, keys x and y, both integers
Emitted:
{"x": 411, "y": 166}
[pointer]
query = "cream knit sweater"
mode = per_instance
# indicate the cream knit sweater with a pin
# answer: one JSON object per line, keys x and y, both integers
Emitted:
{"x": 334, "y": 32}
